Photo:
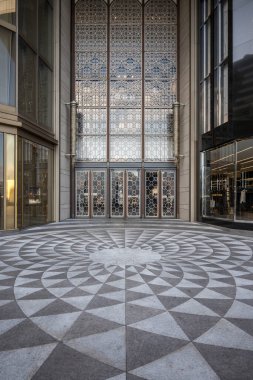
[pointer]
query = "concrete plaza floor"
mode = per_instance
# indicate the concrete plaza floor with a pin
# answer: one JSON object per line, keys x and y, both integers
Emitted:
{"x": 126, "y": 300}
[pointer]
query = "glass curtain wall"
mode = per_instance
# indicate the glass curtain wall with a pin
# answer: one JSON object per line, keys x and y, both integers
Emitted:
{"x": 227, "y": 182}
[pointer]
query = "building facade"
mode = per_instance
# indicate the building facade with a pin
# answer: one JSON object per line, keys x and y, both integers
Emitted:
{"x": 133, "y": 109}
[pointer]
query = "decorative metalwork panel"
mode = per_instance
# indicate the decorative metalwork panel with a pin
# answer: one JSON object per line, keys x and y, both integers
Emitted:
{"x": 117, "y": 193}
{"x": 91, "y": 93}
{"x": 125, "y": 148}
{"x": 126, "y": 93}
{"x": 160, "y": 65}
{"x": 126, "y": 65}
{"x": 133, "y": 193}
{"x": 82, "y": 193}
{"x": 125, "y": 121}
{"x": 91, "y": 65}
{"x": 126, "y": 12}
{"x": 91, "y": 121}
{"x": 151, "y": 201}
{"x": 98, "y": 192}
{"x": 159, "y": 93}
{"x": 91, "y": 12}
{"x": 91, "y": 148}
{"x": 168, "y": 193}
{"x": 91, "y": 37}
{"x": 160, "y": 11}
{"x": 158, "y": 148}
{"x": 160, "y": 38}
{"x": 130, "y": 34}
{"x": 159, "y": 121}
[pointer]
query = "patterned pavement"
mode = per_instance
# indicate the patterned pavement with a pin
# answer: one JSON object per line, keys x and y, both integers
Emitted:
{"x": 136, "y": 302}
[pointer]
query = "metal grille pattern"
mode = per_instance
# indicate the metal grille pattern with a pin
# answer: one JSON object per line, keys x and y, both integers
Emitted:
{"x": 125, "y": 148}
{"x": 152, "y": 193}
{"x": 98, "y": 193}
{"x": 117, "y": 193}
{"x": 82, "y": 193}
{"x": 91, "y": 78}
{"x": 160, "y": 78}
{"x": 133, "y": 189}
{"x": 168, "y": 193}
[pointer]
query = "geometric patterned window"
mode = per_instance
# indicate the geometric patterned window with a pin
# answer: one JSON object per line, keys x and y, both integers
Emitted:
{"x": 120, "y": 73}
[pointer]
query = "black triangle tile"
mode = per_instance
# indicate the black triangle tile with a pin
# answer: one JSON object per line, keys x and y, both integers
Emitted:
{"x": 136, "y": 313}
{"x": 132, "y": 296}
{"x": 191, "y": 292}
{"x": 170, "y": 302}
{"x": 62, "y": 284}
{"x": 65, "y": 363}
{"x": 89, "y": 324}
{"x": 33, "y": 284}
{"x": 230, "y": 364}
{"x": 41, "y": 294}
{"x": 8, "y": 282}
{"x": 56, "y": 307}
{"x": 147, "y": 278}
{"x": 229, "y": 292}
{"x": 228, "y": 280}
{"x": 76, "y": 292}
{"x": 107, "y": 289}
{"x": 11, "y": 311}
{"x": 158, "y": 288}
{"x": 113, "y": 277}
{"x": 218, "y": 306}
{"x": 100, "y": 301}
{"x": 7, "y": 294}
{"x": 243, "y": 324}
{"x": 173, "y": 281}
{"x": 25, "y": 334}
{"x": 131, "y": 284}
{"x": 194, "y": 325}
{"x": 133, "y": 377}
{"x": 144, "y": 347}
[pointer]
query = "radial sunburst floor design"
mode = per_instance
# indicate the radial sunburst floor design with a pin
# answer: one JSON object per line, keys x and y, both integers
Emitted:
{"x": 133, "y": 303}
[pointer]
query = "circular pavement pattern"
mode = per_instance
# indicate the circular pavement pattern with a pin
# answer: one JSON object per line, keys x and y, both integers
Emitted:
{"x": 128, "y": 303}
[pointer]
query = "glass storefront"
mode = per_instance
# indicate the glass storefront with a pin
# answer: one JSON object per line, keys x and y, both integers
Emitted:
{"x": 227, "y": 182}
{"x": 37, "y": 184}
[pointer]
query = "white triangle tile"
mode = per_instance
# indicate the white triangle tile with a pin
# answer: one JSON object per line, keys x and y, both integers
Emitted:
{"x": 51, "y": 274}
{"x": 243, "y": 282}
{"x": 147, "y": 272}
{"x": 93, "y": 289}
{"x": 78, "y": 302}
{"x": 174, "y": 292}
{"x": 117, "y": 296}
{"x": 194, "y": 307}
{"x": 48, "y": 283}
{"x": 185, "y": 363}
{"x": 136, "y": 278}
{"x": 159, "y": 281}
{"x": 243, "y": 294}
{"x": 240, "y": 310}
{"x": 118, "y": 377}
{"x": 31, "y": 307}
{"x": 78, "y": 281}
{"x": 188, "y": 284}
{"x": 162, "y": 324}
{"x": 8, "y": 324}
{"x": 108, "y": 347}
{"x": 22, "y": 292}
{"x": 218, "y": 284}
{"x": 56, "y": 325}
{"x": 28, "y": 359}
{"x": 24, "y": 280}
{"x": 211, "y": 294}
{"x": 142, "y": 289}
{"x": 102, "y": 277}
{"x": 5, "y": 302}
{"x": 59, "y": 292}
{"x": 152, "y": 302}
{"x": 225, "y": 334}
{"x": 121, "y": 284}
{"x": 115, "y": 313}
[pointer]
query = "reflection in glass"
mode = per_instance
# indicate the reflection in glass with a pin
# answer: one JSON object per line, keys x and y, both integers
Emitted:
{"x": 1, "y": 181}
{"x": 46, "y": 30}
{"x": 27, "y": 80}
{"x": 98, "y": 193}
{"x": 7, "y": 65}
{"x": 117, "y": 193}
{"x": 45, "y": 99}
{"x": 37, "y": 184}
{"x": 82, "y": 193}
{"x": 151, "y": 194}
{"x": 133, "y": 193}
{"x": 10, "y": 180}
{"x": 244, "y": 180}
{"x": 168, "y": 193}
{"x": 8, "y": 11}
{"x": 218, "y": 183}
{"x": 27, "y": 21}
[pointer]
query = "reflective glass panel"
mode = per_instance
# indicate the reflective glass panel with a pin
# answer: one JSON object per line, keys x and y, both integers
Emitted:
{"x": 46, "y": 30}
{"x": 82, "y": 193}
{"x": 244, "y": 180}
{"x": 7, "y": 65}
{"x": 117, "y": 193}
{"x": 133, "y": 193}
{"x": 10, "y": 180}
{"x": 45, "y": 99}
{"x": 151, "y": 185}
{"x": 168, "y": 193}
{"x": 1, "y": 181}
{"x": 98, "y": 193}
{"x": 27, "y": 21}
